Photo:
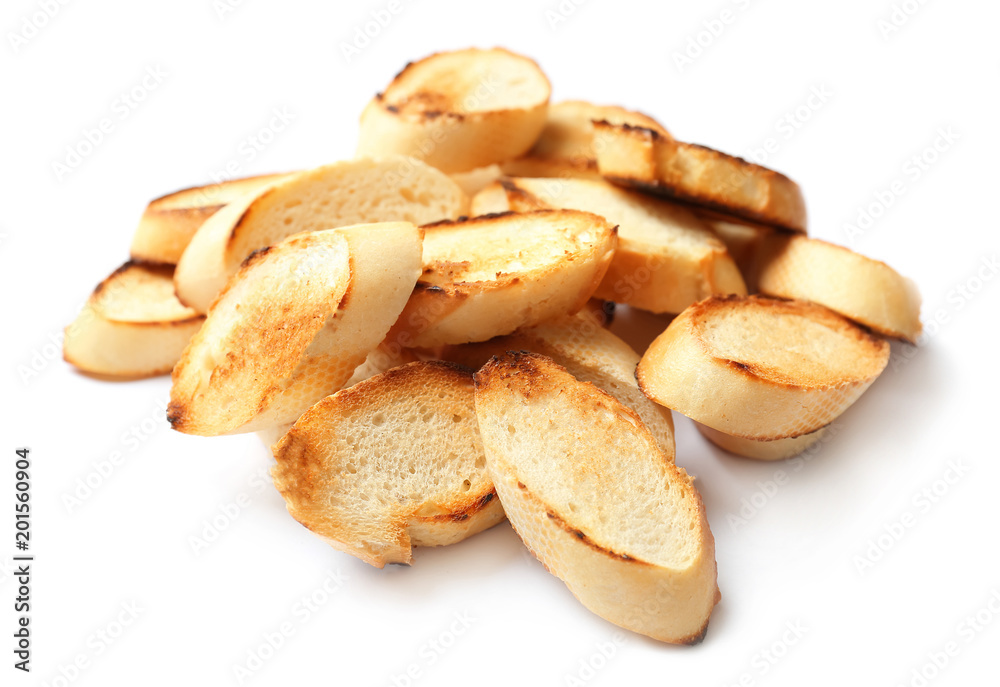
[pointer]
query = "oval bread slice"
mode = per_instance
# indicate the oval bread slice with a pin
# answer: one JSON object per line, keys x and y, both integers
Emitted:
{"x": 393, "y": 462}
{"x": 759, "y": 449}
{"x": 860, "y": 288}
{"x": 169, "y": 222}
{"x": 588, "y": 352}
{"x": 666, "y": 257}
{"x": 132, "y": 325}
{"x": 645, "y": 159}
{"x": 459, "y": 110}
{"x": 489, "y": 275}
{"x": 565, "y": 147}
{"x": 341, "y": 194}
{"x": 591, "y": 494}
{"x": 292, "y": 326}
{"x": 760, "y": 368}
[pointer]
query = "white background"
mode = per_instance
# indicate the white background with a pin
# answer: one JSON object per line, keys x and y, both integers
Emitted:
{"x": 794, "y": 560}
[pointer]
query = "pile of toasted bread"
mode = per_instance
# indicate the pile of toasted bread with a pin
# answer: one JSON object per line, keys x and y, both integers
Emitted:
{"x": 420, "y": 333}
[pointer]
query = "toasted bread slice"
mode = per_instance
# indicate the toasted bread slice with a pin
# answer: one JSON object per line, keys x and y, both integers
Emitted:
{"x": 565, "y": 147}
{"x": 777, "y": 263}
{"x": 666, "y": 258}
{"x": 589, "y": 491}
{"x": 862, "y": 289}
{"x": 489, "y": 275}
{"x": 760, "y": 449}
{"x": 643, "y": 158}
{"x": 341, "y": 194}
{"x": 292, "y": 326}
{"x": 588, "y": 352}
{"x": 393, "y": 462}
{"x": 759, "y": 368}
{"x": 459, "y": 110}
{"x": 132, "y": 325}
{"x": 169, "y": 222}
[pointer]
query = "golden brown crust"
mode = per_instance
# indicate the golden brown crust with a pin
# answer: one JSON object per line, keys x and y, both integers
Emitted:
{"x": 481, "y": 279}
{"x": 702, "y": 313}
{"x": 518, "y": 394}
{"x": 863, "y": 289}
{"x": 126, "y": 280}
{"x": 171, "y": 220}
{"x": 303, "y": 463}
{"x": 315, "y": 466}
{"x": 462, "y": 510}
{"x": 565, "y": 147}
{"x": 292, "y": 326}
{"x": 246, "y": 217}
{"x": 666, "y": 257}
{"x": 121, "y": 269}
{"x": 701, "y": 175}
{"x": 436, "y": 110}
{"x": 132, "y": 326}
{"x": 430, "y": 105}
{"x": 162, "y": 203}
{"x": 760, "y": 368}
{"x": 644, "y": 131}
{"x": 296, "y": 325}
